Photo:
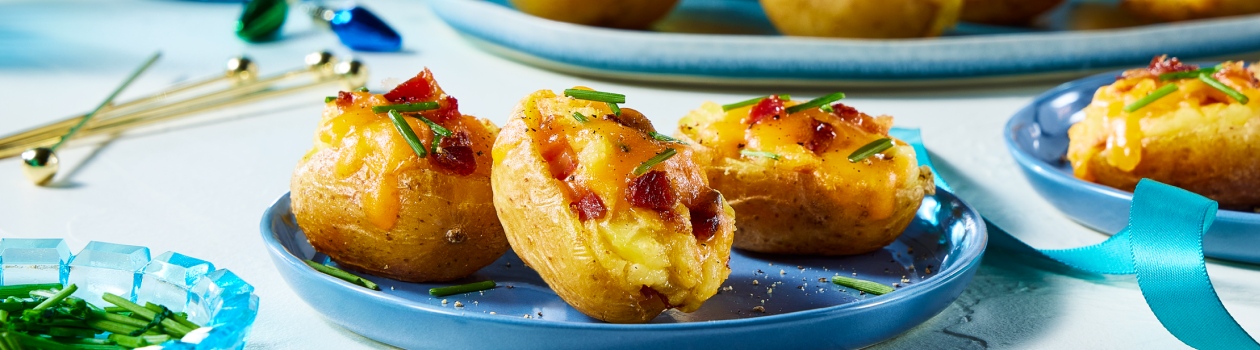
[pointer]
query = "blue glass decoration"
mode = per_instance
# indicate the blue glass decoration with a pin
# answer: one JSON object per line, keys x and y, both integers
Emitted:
{"x": 107, "y": 267}
{"x": 24, "y": 261}
{"x": 168, "y": 278}
{"x": 361, "y": 30}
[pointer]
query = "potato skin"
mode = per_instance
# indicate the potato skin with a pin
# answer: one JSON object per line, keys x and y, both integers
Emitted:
{"x": 886, "y": 19}
{"x": 804, "y": 203}
{"x": 1196, "y": 138}
{"x": 627, "y": 14}
{"x": 579, "y": 259}
{"x": 365, "y": 198}
{"x": 1181, "y": 10}
{"x": 1005, "y": 12}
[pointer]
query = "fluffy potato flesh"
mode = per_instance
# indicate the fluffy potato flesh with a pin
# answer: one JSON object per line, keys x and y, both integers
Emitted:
{"x": 629, "y": 14}
{"x": 368, "y": 201}
{"x": 885, "y": 19}
{"x": 617, "y": 245}
{"x": 1197, "y": 138}
{"x": 811, "y": 199}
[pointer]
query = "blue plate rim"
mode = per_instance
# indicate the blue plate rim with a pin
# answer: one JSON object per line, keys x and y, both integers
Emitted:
{"x": 968, "y": 260}
{"x": 1046, "y": 170}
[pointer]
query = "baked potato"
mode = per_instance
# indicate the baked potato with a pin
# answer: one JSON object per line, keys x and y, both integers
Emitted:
{"x": 594, "y": 203}
{"x": 1005, "y": 12}
{"x": 371, "y": 203}
{"x": 1180, "y": 10}
{"x": 627, "y": 14}
{"x": 787, "y": 172}
{"x": 1197, "y": 137}
{"x": 867, "y": 19}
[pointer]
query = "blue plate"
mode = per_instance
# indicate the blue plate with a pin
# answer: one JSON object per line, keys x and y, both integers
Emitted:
{"x": 758, "y": 56}
{"x": 1037, "y": 137}
{"x": 932, "y": 261}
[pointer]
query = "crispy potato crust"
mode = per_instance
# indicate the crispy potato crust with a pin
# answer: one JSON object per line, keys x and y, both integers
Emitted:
{"x": 365, "y": 199}
{"x": 809, "y": 201}
{"x": 886, "y": 19}
{"x": 628, "y": 263}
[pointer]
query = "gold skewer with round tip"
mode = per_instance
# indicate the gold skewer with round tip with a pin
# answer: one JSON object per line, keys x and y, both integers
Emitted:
{"x": 244, "y": 86}
{"x": 40, "y": 163}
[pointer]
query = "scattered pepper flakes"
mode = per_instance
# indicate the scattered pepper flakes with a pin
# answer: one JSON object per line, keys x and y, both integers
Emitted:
{"x": 822, "y": 280}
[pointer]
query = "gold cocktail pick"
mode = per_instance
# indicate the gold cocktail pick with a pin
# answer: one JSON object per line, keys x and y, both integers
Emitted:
{"x": 41, "y": 163}
{"x": 243, "y": 85}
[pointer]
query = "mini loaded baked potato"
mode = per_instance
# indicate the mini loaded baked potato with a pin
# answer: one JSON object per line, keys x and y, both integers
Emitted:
{"x": 805, "y": 180}
{"x": 370, "y": 201}
{"x": 628, "y": 14}
{"x": 617, "y": 219}
{"x": 1167, "y": 123}
{"x": 869, "y": 19}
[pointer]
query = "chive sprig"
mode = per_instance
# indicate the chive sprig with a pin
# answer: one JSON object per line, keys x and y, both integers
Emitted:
{"x": 1237, "y": 96}
{"x": 651, "y": 162}
{"x": 862, "y": 285}
{"x": 760, "y": 154}
{"x": 597, "y": 96}
{"x": 461, "y": 289}
{"x": 752, "y": 101}
{"x": 343, "y": 275}
{"x": 48, "y": 317}
{"x": 870, "y": 149}
{"x": 1188, "y": 74}
{"x": 662, "y": 137}
{"x": 1152, "y": 97}
{"x": 408, "y": 134}
{"x": 816, "y": 103}
{"x": 407, "y": 107}
{"x": 580, "y": 117}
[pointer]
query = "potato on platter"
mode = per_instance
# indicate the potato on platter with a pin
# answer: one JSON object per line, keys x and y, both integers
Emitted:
{"x": 1167, "y": 122}
{"x": 1180, "y": 10}
{"x": 885, "y": 19}
{"x": 628, "y": 14}
{"x": 805, "y": 180}
{"x": 374, "y": 203}
{"x": 1005, "y": 12}
{"x": 617, "y": 219}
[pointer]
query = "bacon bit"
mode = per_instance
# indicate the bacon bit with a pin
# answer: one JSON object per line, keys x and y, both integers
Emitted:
{"x": 420, "y": 88}
{"x": 767, "y": 107}
{"x": 455, "y": 154}
{"x": 448, "y": 109}
{"x": 652, "y": 191}
{"x": 705, "y": 220}
{"x": 823, "y": 135}
{"x": 344, "y": 98}
{"x": 589, "y": 206}
{"x": 862, "y": 120}
{"x": 654, "y": 298}
{"x": 1162, "y": 64}
{"x": 560, "y": 157}
{"x": 1233, "y": 72}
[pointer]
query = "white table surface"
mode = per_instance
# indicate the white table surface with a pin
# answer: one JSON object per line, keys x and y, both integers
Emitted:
{"x": 200, "y": 188}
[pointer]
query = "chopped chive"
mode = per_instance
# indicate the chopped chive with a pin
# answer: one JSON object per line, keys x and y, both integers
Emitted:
{"x": 407, "y": 107}
{"x": 827, "y": 108}
{"x": 361, "y": 89}
{"x": 1154, "y": 95}
{"x": 662, "y": 137}
{"x": 770, "y": 155}
{"x": 1188, "y": 74}
{"x": 815, "y": 103}
{"x": 461, "y": 289}
{"x": 870, "y": 149}
{"x": 615, "y": 109}
{"x": 22, "y": 290}
{"x": 862, "y": 285}
{"x": 651, "y": 162}
{"x": 410, "y": 135}
{"x": 598, "y": 96}
{"x": 330, "y": 99}
{"x": 1237, "y": 96}
{"x": 580, "y": 117}
{"x": 752, "y": 101}
{"x": 129, "y": 341}
{"x": 56, "y": 299}
{"x": 342, "y": 274}
{"x": 70, "y": 332}
{"x": 437, "y": 129}
{"x": 172, "y": 327}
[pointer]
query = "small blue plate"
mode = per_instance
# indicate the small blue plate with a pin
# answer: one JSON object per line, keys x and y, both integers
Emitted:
{"x": 1037, "y": 137}
{"x": 749, "y": 52}
{"x": 932, "y": 261}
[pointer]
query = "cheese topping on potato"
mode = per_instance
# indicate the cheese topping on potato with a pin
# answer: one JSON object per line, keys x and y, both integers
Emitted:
{"x": 369, "y": 147}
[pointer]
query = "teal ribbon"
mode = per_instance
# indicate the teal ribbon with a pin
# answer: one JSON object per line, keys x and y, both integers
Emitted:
{"x": 1163, "y": 246}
